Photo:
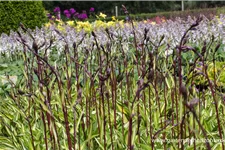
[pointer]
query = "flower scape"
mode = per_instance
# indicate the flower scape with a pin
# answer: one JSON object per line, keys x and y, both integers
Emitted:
{"x": 77, "y": 84}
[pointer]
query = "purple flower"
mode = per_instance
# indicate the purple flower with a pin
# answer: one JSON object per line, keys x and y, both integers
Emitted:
{"x": 82, "y": 16}
{"x": 49, "y": 16}
{"x": 68, "y": 15}
{"x": 66, "y": 12}
{"x": 57, "y": 9}
{"x": 79, "y": 16}
{"x": 92, "y": 9}
{"x": 76, "y": 15}
{"x": 85, "y": 16}
{"x": 72, "y": 10}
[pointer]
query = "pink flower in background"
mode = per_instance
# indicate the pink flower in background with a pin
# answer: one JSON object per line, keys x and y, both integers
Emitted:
{"x": 158, "y": 20}
{"x": 68, "y": 15}
{"x": 76, "y": 15}
{"x": 92, "y": 9}
{"x": 66, "y": 12}
{"x": 72, "y": 10}
{"x": 71, "y": 13}
{"x": 57, "y": 9}
{"x": 82, "y": 16}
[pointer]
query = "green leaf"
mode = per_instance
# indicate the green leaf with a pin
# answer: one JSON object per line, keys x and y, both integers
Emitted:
{"x": 3, "y": 66}
{"x": 144, "y": 146}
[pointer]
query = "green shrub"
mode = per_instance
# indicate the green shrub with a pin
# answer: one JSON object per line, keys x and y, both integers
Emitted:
{"x": 208, "y": 12}
{"x": 30, "y": 13}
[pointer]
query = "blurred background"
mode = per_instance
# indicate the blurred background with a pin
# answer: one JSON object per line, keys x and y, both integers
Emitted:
{"x": 134, "y": 7}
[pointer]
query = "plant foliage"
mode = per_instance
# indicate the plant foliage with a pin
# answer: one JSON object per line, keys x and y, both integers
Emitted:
{"x": 13, "y": 13}
{"x": 130, "y": 86}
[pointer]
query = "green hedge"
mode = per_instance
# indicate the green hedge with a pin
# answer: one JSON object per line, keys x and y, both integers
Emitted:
{"x": 208, "y": 12}
{"x": 30, "y": 13}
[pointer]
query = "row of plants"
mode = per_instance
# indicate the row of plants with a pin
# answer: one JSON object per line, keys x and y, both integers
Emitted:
{"x": 208, "y": 12}
{"x": 135, "y": 7}
{"x": 172, "y": 31}
{"x": 123, "y": 86}
{"x": 91, "y": 16}
{"x": 32, "y": 14}
{"x": 71, "y": 14}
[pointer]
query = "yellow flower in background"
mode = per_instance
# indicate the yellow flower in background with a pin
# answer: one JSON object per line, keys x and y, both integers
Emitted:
{"x": 113, "y": 18}
{"x": 98, "y": 24}
{"x": 102, "y": 15}
{"x": 61, "y": 28}
{"x": 110, "y": 24}
{"x": 135, "y": 23}
{"x": 48, "y": 24}
{"x": 59, "y": 22}
{"x": 218, "y": 19}
{"x": 153, "y": 23}
{"x": 145, "y": 21}
{"x": 70, "y": 23}
{"x": 86, "y": 26}
{"x": 121, "y": 22}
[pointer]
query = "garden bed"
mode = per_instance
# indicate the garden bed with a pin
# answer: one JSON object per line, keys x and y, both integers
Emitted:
{"x": 127, "y": 86}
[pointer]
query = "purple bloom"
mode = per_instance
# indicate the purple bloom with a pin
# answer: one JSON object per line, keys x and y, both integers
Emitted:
{"x": 66, "y": 12}
{"x": 82, "y": 16}
{"x": 68, "y": 15}
{"x": 79, "y": 16}
{"x": 72, "y": 10}
{"x": 92, "y": 9}
{"x": 57, "y": 9}
{"x": 49, "y": 16}
{"x": 85, "y": 16}
{"x": 76, "y": 15}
